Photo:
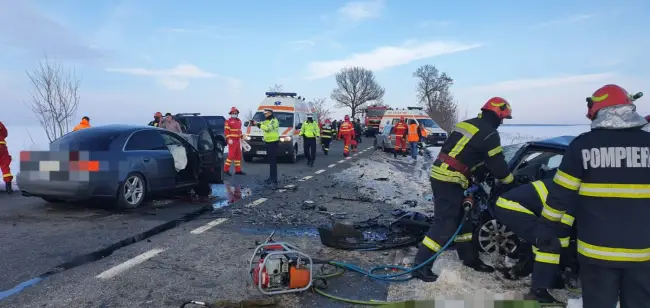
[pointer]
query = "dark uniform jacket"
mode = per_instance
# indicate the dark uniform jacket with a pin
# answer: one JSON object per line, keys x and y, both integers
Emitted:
{"x": 326, "y": 132}
{"x": 606, "y": 174}
{"x": 473, "y": 143}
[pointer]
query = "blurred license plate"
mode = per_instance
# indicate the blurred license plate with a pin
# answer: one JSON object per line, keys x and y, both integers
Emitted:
{"x": 440, "y": 142}
{"x": 261, "y": 152}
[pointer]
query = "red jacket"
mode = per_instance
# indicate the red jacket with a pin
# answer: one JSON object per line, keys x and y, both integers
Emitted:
{"x": 232, "y": 128}
{"x": 346, "y": 129}
{"x": 401, "y": 129}
{"x": 3, "y": 133}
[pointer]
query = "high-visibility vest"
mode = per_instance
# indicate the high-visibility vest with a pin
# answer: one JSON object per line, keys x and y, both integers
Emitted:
{"x": 309, "y": 130}
{"x": 413, "y": 133}
{"x": 270, "y": 130}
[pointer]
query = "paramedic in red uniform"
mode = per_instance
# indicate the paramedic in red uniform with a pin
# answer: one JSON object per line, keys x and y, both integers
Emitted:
{"x": 233, "y": 134}
{"x": 400, "y": 142}
{"x": 346, "y": 132}
{"x": 5, "y": 159}
{"x": 604, "y": 178}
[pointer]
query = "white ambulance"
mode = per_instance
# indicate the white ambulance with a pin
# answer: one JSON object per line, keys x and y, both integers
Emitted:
{"x": 291, "y": 111}
{"x": 435, "y": 134}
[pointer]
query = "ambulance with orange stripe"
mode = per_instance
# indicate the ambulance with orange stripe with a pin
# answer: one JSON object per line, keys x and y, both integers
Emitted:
{"x": 435, "y": 134}
{"x": 291, "y": 111}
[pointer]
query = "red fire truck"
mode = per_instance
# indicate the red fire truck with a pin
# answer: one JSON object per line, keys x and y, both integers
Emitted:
{"x": 373, "y": 115}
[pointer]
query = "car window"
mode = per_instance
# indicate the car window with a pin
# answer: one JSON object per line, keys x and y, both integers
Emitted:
{"x": 392, "y": 130}
{"x": 145, "y": 140}
{"x": 205, "y": 141}
{"x": 195, "y": 124}
{"x": 85, "y": 140}
{"x": 510, "y": 150}
{"x": 172, "y": 140}
{"x": 554, "y": 162}
{"x": 394, "y": 121}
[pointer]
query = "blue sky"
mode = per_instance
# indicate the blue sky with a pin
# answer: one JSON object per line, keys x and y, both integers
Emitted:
{"x": 139, "y": 57}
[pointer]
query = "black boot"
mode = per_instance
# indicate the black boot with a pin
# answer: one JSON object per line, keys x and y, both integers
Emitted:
{"x": 308, "y": 161}
{"x": 240, "y": 173}
{"x": 479, "y": 266}
{"x": 541, "y": 296}
{"x": 227, "y": 173}
{"x": 311, "y": 164}
{"x": 395, "y": 154}
{"x": 9, "y": 188}
{"x": 424, "y": 273}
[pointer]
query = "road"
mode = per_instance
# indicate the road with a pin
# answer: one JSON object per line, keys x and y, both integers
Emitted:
{"x": 168, "y": 252}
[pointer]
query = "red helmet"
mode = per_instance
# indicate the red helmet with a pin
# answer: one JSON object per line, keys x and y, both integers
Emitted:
{"x": 607, "y": 96}
{"x": 401, "y": 119}
{"x": 157, "y": 114}
{"x": 346, "y": 118}
{"x": 233, "y": 110}
{"x": 327, "y": 121}
{"x": 499, "y": 106}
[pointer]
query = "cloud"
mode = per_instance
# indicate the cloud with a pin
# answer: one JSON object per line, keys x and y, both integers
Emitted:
{"x": 564, "y": 21}
{"x": 361, "y": 10}
{"x": 302, "y": 44}
{"x": 25, "y": 27}
{"x": 176, "y": 78}
{"x": 527, "y": 84}
{"x": 387, "y": 56}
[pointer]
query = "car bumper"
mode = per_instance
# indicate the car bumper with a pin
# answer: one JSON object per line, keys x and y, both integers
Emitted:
{"x": 371, "y": 129}
{"x": 74, "y": 189}
{"x": 258, "y": 149}
{"x": 435, "y": 139}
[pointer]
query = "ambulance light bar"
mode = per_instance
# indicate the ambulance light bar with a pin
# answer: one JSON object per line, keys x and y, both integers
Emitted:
{"x": 273, "y": 94}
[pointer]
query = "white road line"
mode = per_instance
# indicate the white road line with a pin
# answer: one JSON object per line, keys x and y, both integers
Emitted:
{"x": 256, "y": 202}
{"x": 281, "y": 190}
{"x": 290, "y": 186}
{"x": 349, "y": 157}
{"x": 305, "y": 178}
{"x": 341, "y": 161}
{"x": 208, "y": 226}
{"x": 331, "y": 166}
{"x": 369, "y": 148}
{"x": 320, "y": 171}
{"x": 120, "y": 268}
{"x": 355, "y": 154}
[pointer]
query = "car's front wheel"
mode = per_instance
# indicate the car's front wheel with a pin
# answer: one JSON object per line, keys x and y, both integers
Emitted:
{"x": 132, "y": 192}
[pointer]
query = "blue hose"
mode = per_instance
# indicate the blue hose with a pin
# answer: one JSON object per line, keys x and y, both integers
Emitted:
{"x": 404, "y": 270}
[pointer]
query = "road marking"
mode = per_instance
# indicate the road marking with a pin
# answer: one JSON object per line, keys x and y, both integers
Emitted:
{"x": 341, "y": 161}
{"x": 128, "y": 264}
{"x": 305, "y": 178}
{"x": 369, "y": 148}
{"x": 256, "y": 202}
{"x": 349, "y": 157}
{"x": 290, "y": 186}
{"x": 320, "y": 171}
{"x": 281, "y": 190}
{"x": 355, "y": 154}
{"x": 331, "y": 166}
{"x": 208, "y": 226}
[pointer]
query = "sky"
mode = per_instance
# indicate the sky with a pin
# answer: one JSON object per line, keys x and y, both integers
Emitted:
{"x": 138, "y": 57}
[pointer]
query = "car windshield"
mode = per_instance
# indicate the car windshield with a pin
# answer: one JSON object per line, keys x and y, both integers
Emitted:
{"x": 428, "y": 123}
{"x": 510, "y": 150}
{"x": 85, "y": 140}
{"x": 215, "y": 122}
{"x": 375, "y": 112}
{"x": 285, "y": 119}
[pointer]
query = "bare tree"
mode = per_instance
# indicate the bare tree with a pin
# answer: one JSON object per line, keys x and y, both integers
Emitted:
{"x": 276, "y": 88}
{"x": 356, "y": 86}
{"x": 249, "y": 115}
{"x": 322, "y": 110}
{"x": 434, "y": 95}
{"x": 54, "y": 97}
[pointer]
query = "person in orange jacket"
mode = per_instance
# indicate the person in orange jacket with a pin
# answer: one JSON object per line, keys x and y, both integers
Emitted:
{"x": 85, "y": 123}
{"x": 234, "y": 136}
{"x": 413, "y": 138}
{"x": 346, "y": 132}
{"x": 5, "y": 159}
{"x": 400, "y": 142}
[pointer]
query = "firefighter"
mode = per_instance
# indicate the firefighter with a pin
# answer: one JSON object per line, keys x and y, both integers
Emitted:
{"x": 346, "y": 132}
{"x": 5, "y": 159}
{"x": 85, "y": 123}
{"x": 156, "y": 120}
{"x": 270, "y": 127}
{"x": 604, "y": 175}
{"x": 233, "y": 132}
{"x": 521, "y": 210}
{"x": 309, "y": 132}
{"x": 326, "y": 134}
{"x": 472, "y": 143}
{"x": 400, "y": 141}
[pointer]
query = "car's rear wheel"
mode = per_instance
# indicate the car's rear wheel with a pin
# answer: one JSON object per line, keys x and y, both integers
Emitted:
{"x": 132, "y": 192}
{"x": 492, "y": 236}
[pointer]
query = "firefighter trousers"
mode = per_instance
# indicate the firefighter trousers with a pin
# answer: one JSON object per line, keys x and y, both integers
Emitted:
{"x": 234, "y": 155}
{"x": 525, "y": 225}
{"x": 5, "y": 164}
{"x": 602, "y": 287}
{"x": 400, "y": 144}
{"x": 347, "y": 140}
{"x": 447, "y": 215}
{"x": 309, "y": 146}
{"x": 325, "y": 142}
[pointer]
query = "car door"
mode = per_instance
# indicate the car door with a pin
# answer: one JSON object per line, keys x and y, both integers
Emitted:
{"x": 298, "y": 121}
{"x": 147, "y": 149}
{"x": 211, "y": 158}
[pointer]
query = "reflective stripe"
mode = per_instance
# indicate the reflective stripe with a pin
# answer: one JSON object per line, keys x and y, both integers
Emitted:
{"x": 233, "y": 136}
{"x": 567, "y": 181}
{"x": 567, "y": 220}
{"x": 468, "y": 131}
{"x": 431, "y": 244}
{"x": 628, "y": 191}
{"x": 613, "y": 254}
{"x": 513, "y": 206}
{"x": 466, "y": 237}
{"x": 495, "y": 151}
{"x": 564, "y": 241}
{"x": 441, "y": 173}
{"x": 508, "y": 179}
{"x": 3, "y": 142}
{"x": 545, "y": 257}
{"x": 547, "y": 211}
{"x": 6, "y": 175}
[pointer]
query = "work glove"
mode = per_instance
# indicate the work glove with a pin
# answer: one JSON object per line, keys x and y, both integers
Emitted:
{"x": 259, "y": 125}
{"x": 546, "y": 236}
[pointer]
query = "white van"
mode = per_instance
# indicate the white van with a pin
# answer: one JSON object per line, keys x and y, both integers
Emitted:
{"x": 435, "y": 134}
{"x": 291, "y": 111}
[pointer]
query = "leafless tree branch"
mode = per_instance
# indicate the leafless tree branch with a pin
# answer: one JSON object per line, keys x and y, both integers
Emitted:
{"x": 249, "y": 115}
{"x": 276, "y": 88}
{"x": 322, "y": 110}
{"x": 356, "y": 86}
{"x": 434, "y": 95}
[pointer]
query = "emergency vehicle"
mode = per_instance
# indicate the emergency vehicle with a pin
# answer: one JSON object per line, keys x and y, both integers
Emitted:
{"x": 291, "y": 111}
{"x": 373, "y": 115}
{"x": 435, "y": 134}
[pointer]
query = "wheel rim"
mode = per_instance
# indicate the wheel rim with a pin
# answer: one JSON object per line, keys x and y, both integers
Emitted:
{"x": 493, "y": 235}
{"x": 133, "y": 190}
{"x": 220, "y": 146}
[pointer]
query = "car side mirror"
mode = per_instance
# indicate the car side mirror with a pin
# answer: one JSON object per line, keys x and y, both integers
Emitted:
{"x": 246, "y": 123}
{"x": 299, "y": 126}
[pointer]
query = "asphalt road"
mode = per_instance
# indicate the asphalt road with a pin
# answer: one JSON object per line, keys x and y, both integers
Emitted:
{"x": 204, "y": 258}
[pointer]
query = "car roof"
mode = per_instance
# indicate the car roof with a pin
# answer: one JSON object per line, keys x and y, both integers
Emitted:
{"x": 119, "y": 128}
{"x": 561, "y": 142}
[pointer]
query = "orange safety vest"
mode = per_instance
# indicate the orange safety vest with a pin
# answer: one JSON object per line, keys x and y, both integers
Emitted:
{"x": 413, "y": 133}
{"x": 423, "y": 132}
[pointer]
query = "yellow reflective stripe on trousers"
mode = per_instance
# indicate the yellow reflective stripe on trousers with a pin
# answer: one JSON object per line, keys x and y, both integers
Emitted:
{"x": 547, "y": 211}
{"x": 431, "y": 244}
{"x": 606, "y": 190}
{"x": 461, "y": 238}
{"x": 468, "y": 131}
{"x": 6, "y": 175}
{"x": 567, "y": 220}
{"x": 567, "y": 181}
{"x": 613, "y": 254}
{"x": 513, "y": 206}
{"x": 545, "y": 257}
{"x": 3, "y": 142}
{"x": 495, "y": 151}
{"x": 441, "y": 174}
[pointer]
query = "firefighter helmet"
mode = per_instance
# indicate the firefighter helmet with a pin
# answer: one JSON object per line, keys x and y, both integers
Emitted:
{"x": 608, "y": 96}
{"x": 346, "y": 118}
{"x": 157, "y": 114}
{"x": 499, "y": 106}
{"x": 402, "y": 119}
{"x": 233, "y": 110}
